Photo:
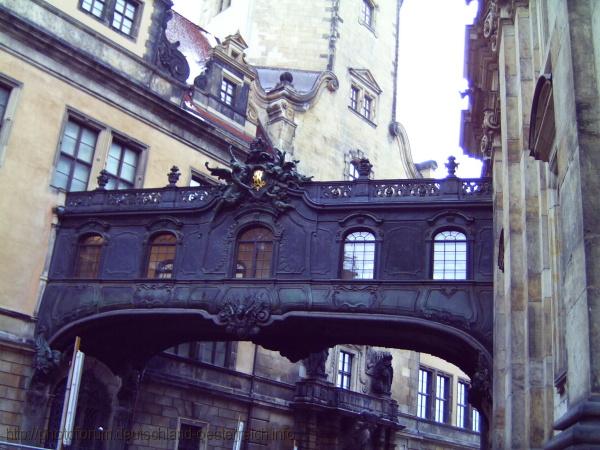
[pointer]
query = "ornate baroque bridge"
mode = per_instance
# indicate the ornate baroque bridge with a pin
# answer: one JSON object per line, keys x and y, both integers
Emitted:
{"x": 294, "y": 265}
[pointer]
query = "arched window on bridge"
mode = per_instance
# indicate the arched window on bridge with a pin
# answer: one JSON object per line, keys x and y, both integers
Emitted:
{"x": 359, "y": 256}
{"x": 450, "y": 256}
{"x": 161, "y": 256}
{"x": 89, "y": 251}
{"x": 254, "y": 253}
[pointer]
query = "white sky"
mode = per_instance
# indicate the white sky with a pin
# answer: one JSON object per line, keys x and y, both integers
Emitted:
{"x": 432, "y": 37}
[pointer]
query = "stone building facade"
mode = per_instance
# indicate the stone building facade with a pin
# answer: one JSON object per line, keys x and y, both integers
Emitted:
{"x": 535, "y": 120}
{"x": 131, "y": 88}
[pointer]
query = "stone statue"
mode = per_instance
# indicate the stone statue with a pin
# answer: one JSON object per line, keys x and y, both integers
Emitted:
{"x": 315, "y": 364}
{"x": 381, "y": 370}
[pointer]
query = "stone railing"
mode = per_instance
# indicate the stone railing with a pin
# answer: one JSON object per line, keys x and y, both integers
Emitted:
{"x": 338, "y": 192}
{"x": 316, "y": 392}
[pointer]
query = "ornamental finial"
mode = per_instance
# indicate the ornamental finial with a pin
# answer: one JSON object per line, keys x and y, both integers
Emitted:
{"x": 173, "y": 176}
{"x": 451, "y": 165}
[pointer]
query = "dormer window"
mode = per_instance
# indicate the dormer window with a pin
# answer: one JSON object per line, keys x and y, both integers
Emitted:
{"x": 227, "y": 92}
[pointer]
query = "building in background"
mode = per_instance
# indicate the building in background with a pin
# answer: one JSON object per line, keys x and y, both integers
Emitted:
{"x": 534, "y": 73}
{"x": 113, "y": 94}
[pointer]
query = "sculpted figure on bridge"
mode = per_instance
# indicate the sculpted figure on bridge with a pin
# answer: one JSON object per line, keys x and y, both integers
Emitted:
{"x": 380, "y": 368}
{"x": 265, "y": 177}
{"x": 315, "y": 364}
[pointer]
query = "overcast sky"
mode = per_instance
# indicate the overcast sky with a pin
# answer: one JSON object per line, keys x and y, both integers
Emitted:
{"x": 432, "y": 37}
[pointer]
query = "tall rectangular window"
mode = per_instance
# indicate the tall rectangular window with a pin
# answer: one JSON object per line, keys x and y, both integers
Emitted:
{"x": 217, "y": 353}
{"x": 354, "y": 98}
{"x": 75, "y": 160}
{"x": 424, "y": 393}
{"x": 227, "y": 90}
{"x": 475, "y": 420}
{"x": 121, "y": 165}
{"x": 124, "y": 16}
{"x": 367, "y": 13}
{"x": 462, "y": 409}
{"x": 94, "y": 7}
{"x": 344, "y": 373}
{"x": 442, "y": 391}
{"x": 367, "y": 109}
{"x": 4, "y": 95}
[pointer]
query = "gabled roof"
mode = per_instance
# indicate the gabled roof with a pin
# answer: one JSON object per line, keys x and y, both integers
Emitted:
{"x": 367, "y": 78}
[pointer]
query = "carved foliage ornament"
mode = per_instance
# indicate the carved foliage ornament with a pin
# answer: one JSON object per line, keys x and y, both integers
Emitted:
{"x": 263, "y": 178}
{"x": 244, "y": 319}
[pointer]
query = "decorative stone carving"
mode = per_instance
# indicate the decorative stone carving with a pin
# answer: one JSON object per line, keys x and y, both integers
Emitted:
{"x": 173, "y": 176}
{"x": 102, "y": 179}
{"x": 491, "y": 25}
{"x": 45, "y": 360}
{"x": 480, "y": 391}
{"x": 315, "y": 364}
{"x": 168, "y": 57}
{"x": 263, "y": 178}
{"x": 361, "y": 434}
{"x": 379, "y": 367}
{"x": 363, "y": 167}
{"x": 244, "y": 319}
{"x": 451, "y": 165}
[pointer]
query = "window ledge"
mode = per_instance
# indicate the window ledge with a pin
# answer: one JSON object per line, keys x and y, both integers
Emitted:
{"x": 369, "y": 121}
{"x": 368, "y": 27}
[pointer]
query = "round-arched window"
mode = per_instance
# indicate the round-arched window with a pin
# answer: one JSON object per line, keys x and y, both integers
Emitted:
{"x": 88, "y": 256}
{"x": 450, "y": 256}
{"x": 359, "y": 256}
{"x": 254, "y": 253}
{"x": 161, "y": 256}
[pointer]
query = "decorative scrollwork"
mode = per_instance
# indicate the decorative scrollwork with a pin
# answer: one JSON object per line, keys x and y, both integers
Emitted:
{"x": 193, "y": 196}
{"x": 408, "y": 189}
{"x": 79, "y": 199}
{"x": 168, "y": 57}
{"x": 490, "y": 25}
{"x": 336, "y": 191}
{"x": 134, "y": 198}
{"x": 476, "y": 187}
{"x": 244, "y": 319}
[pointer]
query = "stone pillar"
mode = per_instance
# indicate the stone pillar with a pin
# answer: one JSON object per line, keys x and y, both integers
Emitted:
{"x": 577, "y": 105}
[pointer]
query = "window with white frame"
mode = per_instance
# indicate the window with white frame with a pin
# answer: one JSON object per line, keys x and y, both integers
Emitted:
{"x": 9, "y": 91}
{"x": 364, "y": 91}
{"x": 424, "y": 394}
{"x": 121, "y": 165}
{"x": 462, "y": 407}
{"x": 450, "y": 256}
{"x": 122, "y": 16}
{"x": 354, "y": 94}
{"x": 475, "y": 419}
{"x": 94, "y": 7}
{"x": 442, "y": 398}
{"x": 367, "y": 107}
{"x": 77, "y": 146}
{"x": 433, "y": 395}
{"x": 359, "y": 256}
{"x": 367, "y": 12}
{"x": 344, "y": 372}
{"x": 227, "y": 91}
